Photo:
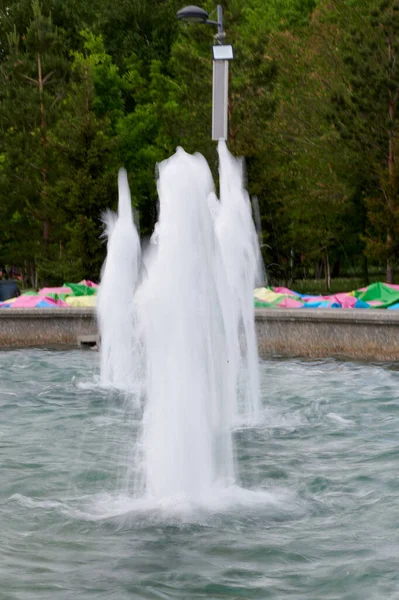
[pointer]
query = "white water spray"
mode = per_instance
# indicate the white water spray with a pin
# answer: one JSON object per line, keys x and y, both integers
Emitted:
{"x": 186, "y": 439}
{"x": 115, "y": 297}
{"x": 241, "y": 257}
{"x": 193, "y": 317}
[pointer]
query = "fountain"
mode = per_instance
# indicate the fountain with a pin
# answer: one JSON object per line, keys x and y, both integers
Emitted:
{"x": 185, "y": 334}
{"x": 119, "y": 280}
{"x": 243, "y": 265}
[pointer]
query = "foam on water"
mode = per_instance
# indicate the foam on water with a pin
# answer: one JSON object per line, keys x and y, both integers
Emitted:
{"x": 175, "y": 508}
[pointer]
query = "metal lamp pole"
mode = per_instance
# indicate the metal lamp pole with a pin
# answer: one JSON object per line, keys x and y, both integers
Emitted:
{"x": 222, "y": 54}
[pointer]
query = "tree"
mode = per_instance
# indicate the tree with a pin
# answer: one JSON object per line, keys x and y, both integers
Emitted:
{"x": 365, "y": 113}
{"x": 31, "y": 86}
{"x": 86, "y": 143}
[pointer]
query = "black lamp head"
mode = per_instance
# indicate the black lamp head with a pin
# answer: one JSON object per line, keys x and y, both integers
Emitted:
{"x": 193, "y": 14}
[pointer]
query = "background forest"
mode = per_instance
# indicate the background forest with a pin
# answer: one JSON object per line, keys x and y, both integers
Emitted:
{"x": 89, "y": 86}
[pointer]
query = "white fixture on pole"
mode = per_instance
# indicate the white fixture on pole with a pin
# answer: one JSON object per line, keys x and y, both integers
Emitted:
{"x": 222, "y": 54}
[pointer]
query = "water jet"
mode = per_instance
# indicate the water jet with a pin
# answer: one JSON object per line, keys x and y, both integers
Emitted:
{"x": 185, "y": 333}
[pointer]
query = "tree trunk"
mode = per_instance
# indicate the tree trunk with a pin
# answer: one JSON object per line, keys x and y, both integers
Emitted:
{"x": 391, "y": 169}
{"x": 327, "y": 272}
{"x": 390, "y": 269}
{"x": 292, "y": 256}
{"x": 24, "y": 275}
{"x": 365, "y": 270}
{"x": 44, "y": 170}
{"x": 46, "y": 232}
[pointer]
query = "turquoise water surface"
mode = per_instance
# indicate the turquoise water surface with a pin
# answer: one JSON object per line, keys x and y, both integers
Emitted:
{"x": 320, "y": 520}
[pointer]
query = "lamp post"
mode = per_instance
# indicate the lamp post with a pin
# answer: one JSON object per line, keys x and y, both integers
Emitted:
{"x": 222, "y": 54}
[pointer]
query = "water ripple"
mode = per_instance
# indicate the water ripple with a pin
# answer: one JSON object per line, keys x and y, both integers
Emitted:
{"x": 313, "y": 515}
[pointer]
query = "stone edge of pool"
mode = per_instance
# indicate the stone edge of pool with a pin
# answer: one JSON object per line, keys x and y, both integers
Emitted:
{"x": 311, "y": 333}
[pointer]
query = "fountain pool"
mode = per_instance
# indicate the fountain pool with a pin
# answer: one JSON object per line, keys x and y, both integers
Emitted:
{"x": 320, "y": 519}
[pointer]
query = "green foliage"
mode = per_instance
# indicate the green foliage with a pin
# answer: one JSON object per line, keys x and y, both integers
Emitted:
{"x": 86, "y": 143}
{"x": 86, "y": 88}
{"x": 33, "y": 76}
{"x": 365, "y": 114}
{"x": 143, "y": 140}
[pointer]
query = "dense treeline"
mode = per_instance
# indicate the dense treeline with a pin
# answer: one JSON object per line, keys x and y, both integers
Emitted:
{"x": 86, "y": 87}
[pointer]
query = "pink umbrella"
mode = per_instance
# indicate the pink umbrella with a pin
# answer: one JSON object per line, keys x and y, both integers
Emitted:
{"x": 32, "y": 302}
{"x": 290, "y": 303}
{"x": 344, "y": 299}
{"x": 284, "y": 290}
{"x": 88, "y": 283}
{"x": 55, "y": 290}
